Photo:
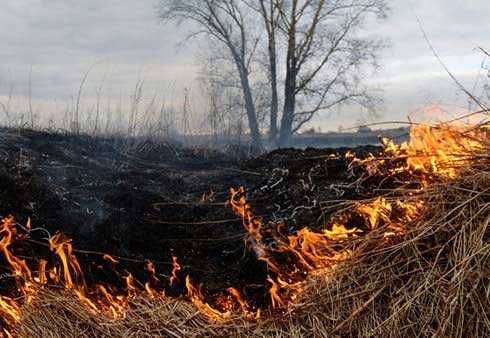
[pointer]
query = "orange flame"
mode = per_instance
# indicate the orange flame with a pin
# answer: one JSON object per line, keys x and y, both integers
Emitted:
{"x": 19, "y": 266}
{"x": 63, "y": 248}
{"x": 175, "y": 269}
{"x": 197, "y": 298}
{"x": 42, "y": 278}
{"x": 110, "y": 259}
{"x": 151, "y": 268}
{"x": 432, "y": 152}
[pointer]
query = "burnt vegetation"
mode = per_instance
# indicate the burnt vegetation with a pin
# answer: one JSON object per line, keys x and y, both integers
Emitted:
{"x": 149, "y": 201}
{"x": 135, "y": 224}
{"x": 382, "y": 234}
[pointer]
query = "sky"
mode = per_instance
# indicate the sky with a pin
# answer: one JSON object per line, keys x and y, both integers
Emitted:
{"x": 123, "y": 41}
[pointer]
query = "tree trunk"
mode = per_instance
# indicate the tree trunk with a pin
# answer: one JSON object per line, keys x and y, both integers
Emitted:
{"x": 250, "y": 108}
{"x": 290, "y": 83}
{"x": 274, "y": 96}
{"x": 247, "y": 96}
{"x": 289, "y": 109}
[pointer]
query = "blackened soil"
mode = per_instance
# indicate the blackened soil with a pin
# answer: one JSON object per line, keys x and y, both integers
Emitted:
{"x": 145, "y": 200}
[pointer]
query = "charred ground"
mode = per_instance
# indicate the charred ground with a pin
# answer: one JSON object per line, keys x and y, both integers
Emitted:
{"x": 144, "y": 200}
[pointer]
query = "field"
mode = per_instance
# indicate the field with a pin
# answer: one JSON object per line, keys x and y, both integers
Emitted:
{"x": 113, "y": 237}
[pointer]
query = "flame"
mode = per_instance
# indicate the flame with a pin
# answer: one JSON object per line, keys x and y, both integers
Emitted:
{"x": 445, "y": 146}
{"x": 110, "y": 259}
{"x": 130, "y": 283}
{"x": 309, "y": 252}
{"x": 10, "y": 308}
{"x": 274, "y": 291}
{"x": 175, "y": 269}
{"x": 243, "y": 304}
{"x": 375, "y": 211}
{"x": 152, "y": 293}
{"x": 339, "y": 232}
{"x": 440, "y": 150}
{"x": 433, "y": 153}
{"x": 63, "y": 248}
{"x": 54, "y": 274}
{"x": 197, "y": 298}
{"x": 101, "y": 301}
{"x": 151, "y": 268}
{"x": 114, "y": 305}
{"x": 42, "y": 278}
{"x": 19, "y": 266}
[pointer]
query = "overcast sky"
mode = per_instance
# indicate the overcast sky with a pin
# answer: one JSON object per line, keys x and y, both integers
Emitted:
{"x": 126, "y": 41}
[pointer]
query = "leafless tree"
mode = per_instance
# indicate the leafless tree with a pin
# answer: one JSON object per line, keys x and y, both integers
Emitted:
{"x": 316, "y": 53}
{"x": 270, "y": 11}
{"x": 324, "y": 56}
{"x": 225, "y": 22}
{"x": 222, "y": 88}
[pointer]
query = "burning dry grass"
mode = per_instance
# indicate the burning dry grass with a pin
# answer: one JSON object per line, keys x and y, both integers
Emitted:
{"x": 433, "y": 282}
{"x": 430, "y": 280}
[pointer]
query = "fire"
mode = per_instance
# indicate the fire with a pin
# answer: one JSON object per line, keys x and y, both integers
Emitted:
{"x": 306, "y": 252}
{"x": 100, "y": 301}
{"x": 446, "y": 148}
{"x": 9, "y": 307}
{"x": 151, "y": 268}
{"x": 130, "y": 283}
{"x": 175, "y": 269}
{"x": 104, "y": 302}
{"x": 440, "y": 149}
{"x": 195, "y": 295}
{"x": 115, "y": 305}
{"x": 64, "y": 249}
{"x": 433, "y": 153}
{"x": 21, "y": 271}
{"x": 148, "y": 285}
{"x": 110, "y": 259}
{"x": 243, "y": 304}
{"x": 42, "y": 277}
{"x": 150, "y": 291}
{"x": 339, "y": 232}
{"x": 274, "y": 291}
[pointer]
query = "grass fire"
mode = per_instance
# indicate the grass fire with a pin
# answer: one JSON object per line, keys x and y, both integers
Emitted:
{"x": 244, "y": 169}
{"x": 407, "y": 256}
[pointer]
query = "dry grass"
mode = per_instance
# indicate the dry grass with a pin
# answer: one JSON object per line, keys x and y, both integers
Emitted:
{"x": 433, "y": 281}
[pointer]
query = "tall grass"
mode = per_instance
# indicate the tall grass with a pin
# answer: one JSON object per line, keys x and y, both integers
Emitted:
{"x": 180, "y": 115}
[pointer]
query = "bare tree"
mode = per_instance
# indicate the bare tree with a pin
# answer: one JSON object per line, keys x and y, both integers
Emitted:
{"x": 224, "y": 22}
{"x": 222, "y": 88}
{"x": 270, "y": 11}
{"x": 324, "y": 56}
{"x": 319, "y": 42}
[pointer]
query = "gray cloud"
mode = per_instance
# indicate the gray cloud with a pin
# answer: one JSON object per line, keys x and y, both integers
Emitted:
{"x": 63, "y": 38}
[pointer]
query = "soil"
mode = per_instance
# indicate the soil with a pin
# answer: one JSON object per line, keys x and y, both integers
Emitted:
{"x": 145, "y": 200}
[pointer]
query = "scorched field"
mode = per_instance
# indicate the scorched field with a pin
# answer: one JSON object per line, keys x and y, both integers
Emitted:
{"x": 102, "y": 237}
